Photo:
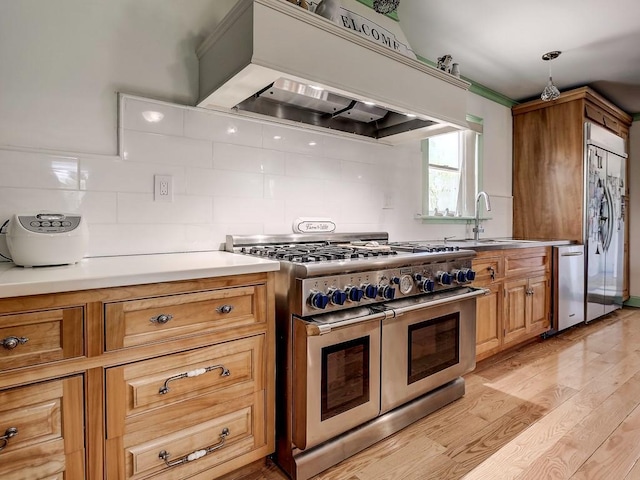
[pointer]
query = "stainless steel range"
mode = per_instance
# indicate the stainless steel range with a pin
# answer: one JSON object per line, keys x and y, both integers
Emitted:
{"x": 371, "y": 337}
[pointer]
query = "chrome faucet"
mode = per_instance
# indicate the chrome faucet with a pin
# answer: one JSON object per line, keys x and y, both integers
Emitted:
{"x": 477, "y": 229}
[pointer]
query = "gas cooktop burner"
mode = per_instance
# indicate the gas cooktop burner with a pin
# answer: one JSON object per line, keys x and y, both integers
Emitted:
{"x": 306, "y": 253}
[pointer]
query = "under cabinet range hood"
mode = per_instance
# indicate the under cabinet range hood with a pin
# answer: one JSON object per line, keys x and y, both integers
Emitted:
{"x": 271, "y": 58}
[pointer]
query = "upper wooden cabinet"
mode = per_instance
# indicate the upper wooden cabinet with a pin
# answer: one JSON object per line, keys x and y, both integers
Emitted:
{"x": 548, "y": 161}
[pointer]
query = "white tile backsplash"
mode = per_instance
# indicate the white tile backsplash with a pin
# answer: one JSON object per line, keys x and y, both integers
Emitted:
{"x": 37, "y": 170}
{"x": 140, "y": 208}
{"x": 164, "y": 150}
{"x": 230, "y": 176}
{"x": 224, "y": 183}
{"x": 227, "y": 156}
{"x": 224, "y": 128}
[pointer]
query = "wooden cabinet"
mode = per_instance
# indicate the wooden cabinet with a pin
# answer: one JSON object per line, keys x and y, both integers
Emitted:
{"x": 548, "y": 164}
{"x": 219, "y": 394}
{"x": 517, "y": 306}
{"x": 41, "y": 430}
{"x": 165, "y": 381}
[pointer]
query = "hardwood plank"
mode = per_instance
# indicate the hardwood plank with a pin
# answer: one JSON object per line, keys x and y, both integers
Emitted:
{"x": 576, "y": 446}
{"x": 617, "y": 455}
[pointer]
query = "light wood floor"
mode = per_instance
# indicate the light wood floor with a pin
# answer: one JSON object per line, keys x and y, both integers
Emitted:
{"x": 562, "y": 408}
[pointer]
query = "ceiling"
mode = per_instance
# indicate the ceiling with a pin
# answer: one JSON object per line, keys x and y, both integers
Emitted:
{"x": 499, "y": 43}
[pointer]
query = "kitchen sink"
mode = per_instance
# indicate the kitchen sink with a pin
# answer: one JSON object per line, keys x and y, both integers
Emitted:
{"x": 492, "y": 240}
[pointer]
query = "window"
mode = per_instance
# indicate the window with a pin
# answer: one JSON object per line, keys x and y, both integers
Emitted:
{"x": 451, "y": 162}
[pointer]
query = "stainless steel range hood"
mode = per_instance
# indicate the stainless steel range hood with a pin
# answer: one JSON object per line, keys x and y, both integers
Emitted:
{"x": 272, "y": 59}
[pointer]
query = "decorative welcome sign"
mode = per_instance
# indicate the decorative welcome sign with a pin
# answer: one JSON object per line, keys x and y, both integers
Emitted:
{"x": 375, "y": 31}
{"x": 360, "y": 17}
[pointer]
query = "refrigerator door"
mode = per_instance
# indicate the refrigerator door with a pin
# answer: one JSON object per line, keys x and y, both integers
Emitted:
{"x": 614, "y": 254}
{"x": 605, "y": 232}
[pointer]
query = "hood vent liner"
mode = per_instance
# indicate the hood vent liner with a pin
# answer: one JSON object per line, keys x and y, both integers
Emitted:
{"x": 294, "y": 101}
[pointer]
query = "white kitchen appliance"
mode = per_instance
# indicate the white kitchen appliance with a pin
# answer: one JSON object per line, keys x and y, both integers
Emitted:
{"x": 47, "y": 239}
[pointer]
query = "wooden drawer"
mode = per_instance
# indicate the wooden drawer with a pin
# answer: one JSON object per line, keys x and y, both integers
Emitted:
{"x": 40, "y": 337}
{"x": 229, "y": 430}
{"x": 49, "y": 420}
{"x": 137, "y": 387}
{"x": 524, "y": 261}
{"x": 488, "y": 268}
{"x": 151, "y": 320}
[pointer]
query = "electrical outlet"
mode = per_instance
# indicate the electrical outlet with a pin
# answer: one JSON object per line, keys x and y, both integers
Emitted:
{"x": 163, "y": 188}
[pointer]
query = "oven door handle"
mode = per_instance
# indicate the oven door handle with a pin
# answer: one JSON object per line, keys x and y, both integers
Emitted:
{"x": 453, "y": 298}
{"x": 315, "y": 329}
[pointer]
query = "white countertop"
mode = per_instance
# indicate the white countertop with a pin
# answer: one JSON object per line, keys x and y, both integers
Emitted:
{"x": 102, "y": 272}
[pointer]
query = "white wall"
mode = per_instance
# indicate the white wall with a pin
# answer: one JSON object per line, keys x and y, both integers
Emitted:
{"x": 62, "y": 63}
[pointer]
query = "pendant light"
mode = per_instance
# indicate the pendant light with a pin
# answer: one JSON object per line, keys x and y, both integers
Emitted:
{"x": 550, "y": 92}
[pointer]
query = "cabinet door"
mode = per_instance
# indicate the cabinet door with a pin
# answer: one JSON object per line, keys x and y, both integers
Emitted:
{"x": 489, "y": 321}
{"x": 515, "y": 310}
{"x": 539, "y": 304}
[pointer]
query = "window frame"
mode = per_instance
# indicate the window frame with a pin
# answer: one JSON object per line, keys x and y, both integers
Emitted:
{"x": 475, "y": 124}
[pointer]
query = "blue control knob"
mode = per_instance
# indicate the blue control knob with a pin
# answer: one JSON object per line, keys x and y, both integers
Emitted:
{"x": 319, "y": 300}
{"x": 428, "y": 285}
{"x": 459, "y": 276}
{"x": 444, "y": 278}
{"x": 355, "y": 294}
{"x": 471, "y": 275}
{"x": 371, "y": 291}
{"x": 388, "y": 292}
{"x": 395, "y": 280}
{"x": 338, "y": 297}
{"x": 417, "y": 277}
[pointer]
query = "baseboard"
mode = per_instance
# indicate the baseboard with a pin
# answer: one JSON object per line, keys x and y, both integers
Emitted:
{"x": 633, "y": 302}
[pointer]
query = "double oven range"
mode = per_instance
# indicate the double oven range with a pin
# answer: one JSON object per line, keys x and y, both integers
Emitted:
{"x": 371, "y": 336}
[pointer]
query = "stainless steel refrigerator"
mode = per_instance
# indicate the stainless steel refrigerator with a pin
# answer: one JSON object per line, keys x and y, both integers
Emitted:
{"x": 605, "y": 163}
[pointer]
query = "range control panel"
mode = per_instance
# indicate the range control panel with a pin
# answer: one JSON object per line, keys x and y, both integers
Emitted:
{"x": 324, "y": 294}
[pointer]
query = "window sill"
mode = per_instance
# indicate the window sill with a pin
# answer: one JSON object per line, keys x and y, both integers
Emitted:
{"x": 442, "y": 219}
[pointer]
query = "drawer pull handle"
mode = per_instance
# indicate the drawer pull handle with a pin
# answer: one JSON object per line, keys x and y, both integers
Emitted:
{"x": 224, "y": 308}
{"x": 8, "y": 434}
{"x": 492, "y": 272}
{"x": 164, "y": 455}
{"x": 193, "y": 373}
{"x": 161, "y": 319}
{"x": 12, "y": 342}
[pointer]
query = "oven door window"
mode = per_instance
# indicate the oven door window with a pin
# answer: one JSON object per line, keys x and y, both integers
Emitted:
{"x": 345, "y": 376}
{"x": 433, "y": 346}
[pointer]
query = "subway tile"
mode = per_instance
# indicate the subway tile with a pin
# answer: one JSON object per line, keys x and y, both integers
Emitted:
{"x": 135, "y": 239}
{"x": 247, "y": 210}
{"x": 38, "y": 170}
{"x": 222, "y": 128}
{"x": 283, "y": 187}
{"x": 141, "y": 208}
{"x": 364, "y": 172}
{"x": 149, "y": 116}
{"x": 224, "y": 183}
{"x": 28, "y": 200}
{"x": 294, "y": 140}
{"x": 297, "y": 165}
{"x": 116, "y": 175}
{"x": 227, "y": 156}
{"x": 99, "y": 207}
{"x": 166, "y": 150}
